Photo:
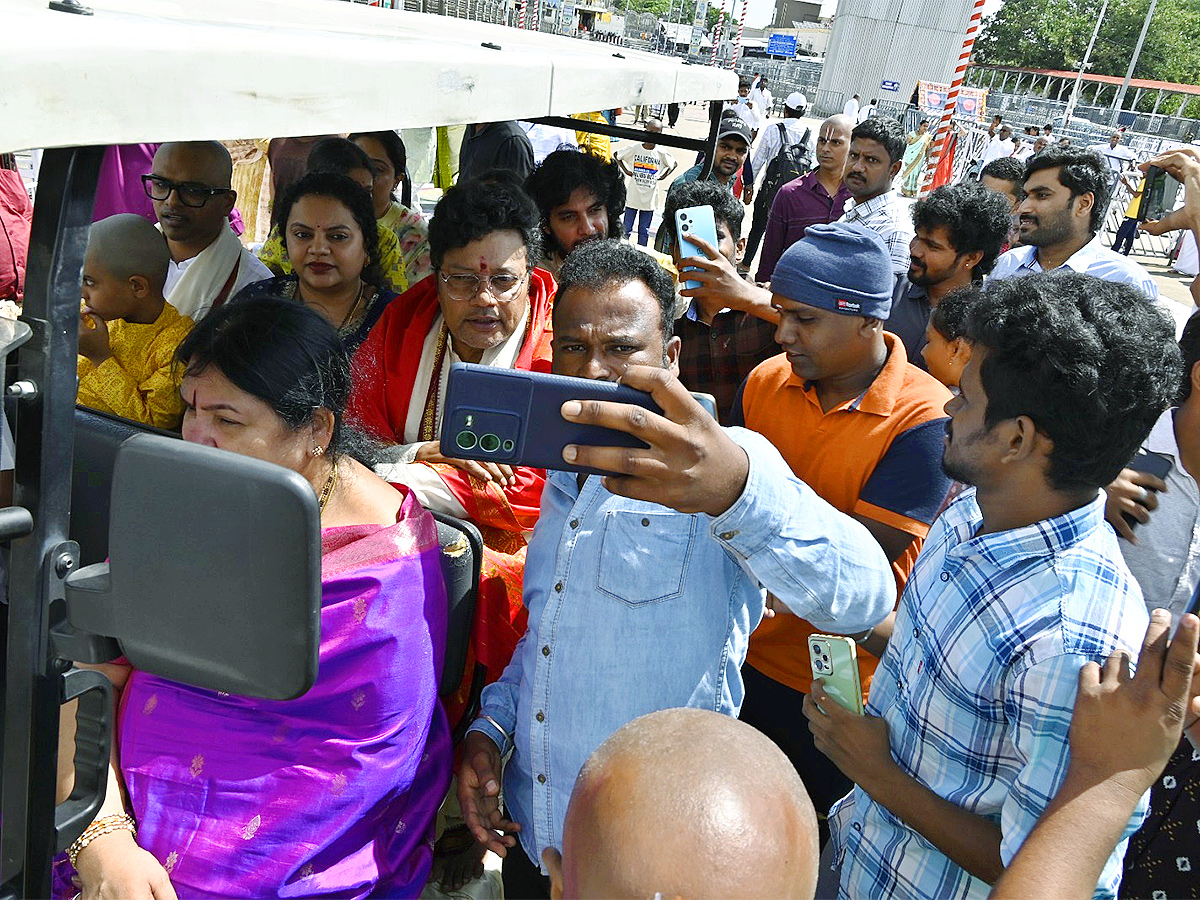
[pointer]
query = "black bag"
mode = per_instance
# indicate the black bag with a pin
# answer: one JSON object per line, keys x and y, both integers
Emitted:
{"x": 789, "y": 163}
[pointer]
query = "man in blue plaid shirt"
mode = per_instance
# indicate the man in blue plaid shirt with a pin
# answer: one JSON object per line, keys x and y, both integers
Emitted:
{"x": 1019, "y": 584}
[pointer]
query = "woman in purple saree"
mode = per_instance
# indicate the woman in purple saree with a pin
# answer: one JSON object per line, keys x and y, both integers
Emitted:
{"x": 334, "y": 793}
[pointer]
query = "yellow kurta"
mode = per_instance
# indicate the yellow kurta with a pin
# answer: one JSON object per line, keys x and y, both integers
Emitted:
{"x": 140, "y": 381}
{"x": 274, "y": 256}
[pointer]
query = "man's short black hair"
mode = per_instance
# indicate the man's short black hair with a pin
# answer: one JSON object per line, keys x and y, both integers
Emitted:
{"x": 602, "y": 264}
{"x": 887, "y": 132}
{"x": 976, "y": 218}
{"x": 949, "y": 317}
{"x": 726, "y": 208}
{"x": 475, "y": 208}
{"x": 1093, "y": 363}
{"x": 1006, "y": 168}
{"x": 1189, "y": 347}
{"x": 1080, "y": 172}
{"x": 565, "y": 171}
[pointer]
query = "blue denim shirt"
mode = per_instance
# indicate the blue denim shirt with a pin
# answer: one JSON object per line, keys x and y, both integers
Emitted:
{"x": 634, "y": 607}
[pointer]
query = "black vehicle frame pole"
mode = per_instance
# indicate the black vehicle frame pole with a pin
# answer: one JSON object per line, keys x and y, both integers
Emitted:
{"x": 40, "y": 562}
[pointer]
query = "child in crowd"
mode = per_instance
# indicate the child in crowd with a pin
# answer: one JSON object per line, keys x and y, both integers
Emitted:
{"x": 127, "y": 331}
{"x": 947, "y": 350}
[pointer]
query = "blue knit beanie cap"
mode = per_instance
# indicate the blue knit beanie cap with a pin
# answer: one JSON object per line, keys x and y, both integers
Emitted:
{"x": 840, "y": 267}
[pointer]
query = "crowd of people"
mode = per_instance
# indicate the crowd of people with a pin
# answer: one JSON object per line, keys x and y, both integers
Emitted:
{"x": 929, "y": 432}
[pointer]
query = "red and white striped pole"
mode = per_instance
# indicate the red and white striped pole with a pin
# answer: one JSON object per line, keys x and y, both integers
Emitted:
{"x": 737, "y": 47}
{"x": 717, "y": 35}
{"x": 521, "y": 14}
{"x": 942, "y": 138}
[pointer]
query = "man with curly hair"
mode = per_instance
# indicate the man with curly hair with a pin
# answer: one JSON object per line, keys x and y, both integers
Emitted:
{"x": 581, "y": 198}
{"x": 959, "y": 231}
{"x": 1018, "y": 585}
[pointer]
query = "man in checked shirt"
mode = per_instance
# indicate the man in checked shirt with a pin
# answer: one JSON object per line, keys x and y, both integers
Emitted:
{"x": 876, "y": 154}
{"x": 1019, "y": 583}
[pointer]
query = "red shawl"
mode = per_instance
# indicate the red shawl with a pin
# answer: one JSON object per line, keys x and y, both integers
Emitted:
{"x": 385, "y": 371}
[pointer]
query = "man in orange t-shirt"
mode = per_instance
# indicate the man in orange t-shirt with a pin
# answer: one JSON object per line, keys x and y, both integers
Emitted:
{"x": 860, "y": 425}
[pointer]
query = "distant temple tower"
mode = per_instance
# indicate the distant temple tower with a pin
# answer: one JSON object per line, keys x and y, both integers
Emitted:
{"x": 882, "y": 48}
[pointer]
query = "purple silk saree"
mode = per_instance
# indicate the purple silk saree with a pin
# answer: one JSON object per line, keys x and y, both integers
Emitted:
{"x": 334, "y": 793}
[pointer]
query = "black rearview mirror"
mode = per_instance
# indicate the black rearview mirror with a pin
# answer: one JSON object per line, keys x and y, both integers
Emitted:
{"x": 214, "y": 576}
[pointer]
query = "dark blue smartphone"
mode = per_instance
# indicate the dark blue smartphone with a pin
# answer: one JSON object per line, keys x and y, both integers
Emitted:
{"x": 512, "y": 417}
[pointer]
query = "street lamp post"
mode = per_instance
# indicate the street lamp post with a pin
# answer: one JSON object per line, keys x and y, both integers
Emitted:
{"x": 1087, "y": 57}
{"x": 1137, "y": 51}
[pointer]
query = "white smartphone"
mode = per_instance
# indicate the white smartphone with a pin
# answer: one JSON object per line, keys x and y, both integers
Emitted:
{"x": 698, "y": 221}
{"x": 834, "y": 660}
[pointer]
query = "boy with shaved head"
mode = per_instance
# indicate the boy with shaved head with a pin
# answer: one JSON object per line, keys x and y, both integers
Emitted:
{"x": 127, "y": 331}
{"x": 189, "y": 184}
{"x": 735, "y": 821}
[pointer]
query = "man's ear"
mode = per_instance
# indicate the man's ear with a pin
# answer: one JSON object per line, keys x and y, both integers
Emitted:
{"x": 1086, "y": 202}
{"x": 895, "y": 170}
{"x": 672, "y": 354}
{"x": 1025, "y": 440}
{"x": 971, "y": 260}
{"x": 229, "y": 201}
{"x": 552, "y": 860}
{"x": 1195, "y": 378}
{"x": 739, "y": 251}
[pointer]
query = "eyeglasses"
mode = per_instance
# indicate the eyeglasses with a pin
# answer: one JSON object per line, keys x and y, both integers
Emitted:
{"x": 190, "y": 193}
{"x": 465, "y": 286}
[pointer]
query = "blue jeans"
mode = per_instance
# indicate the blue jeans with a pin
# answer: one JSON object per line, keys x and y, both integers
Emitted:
{"x": 643, "y": 222}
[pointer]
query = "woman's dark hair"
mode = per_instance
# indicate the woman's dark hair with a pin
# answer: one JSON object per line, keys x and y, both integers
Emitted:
{"x": 599, "y": 265}
{"x": 474, "y": 209}
{"x": 1093, "y": 363}
{"x": 286, "y": 355}
{"x": 1080, "y": 172}
{"x": 949, "y": 317}
{"x": 565, "y": 171}
{"x": 352, "y": 196}
{"x": 335, "y": 154}
{"x": 392, "y": 145}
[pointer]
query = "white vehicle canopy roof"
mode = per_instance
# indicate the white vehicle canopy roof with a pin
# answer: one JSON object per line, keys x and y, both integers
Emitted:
{"x": 157, "y": 70}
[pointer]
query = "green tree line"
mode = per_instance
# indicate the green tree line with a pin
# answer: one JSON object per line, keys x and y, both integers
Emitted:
{"x": 1054, "y": 34}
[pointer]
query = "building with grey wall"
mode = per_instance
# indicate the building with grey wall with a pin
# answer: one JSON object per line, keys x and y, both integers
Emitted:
{"x": 789, "y": 12}
{"x": 882, "y": 48}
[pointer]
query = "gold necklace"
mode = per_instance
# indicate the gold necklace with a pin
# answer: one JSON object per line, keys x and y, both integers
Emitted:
{"x": 327, "y": 491}
{"x": 362, "y": 286}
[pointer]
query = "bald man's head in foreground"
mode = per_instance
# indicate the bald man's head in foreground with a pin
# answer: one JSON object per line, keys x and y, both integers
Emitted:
{"x": 691, "y": 804}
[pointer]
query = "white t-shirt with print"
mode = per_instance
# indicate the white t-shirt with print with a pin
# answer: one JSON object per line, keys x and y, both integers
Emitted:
{"x": 647, "y": 166}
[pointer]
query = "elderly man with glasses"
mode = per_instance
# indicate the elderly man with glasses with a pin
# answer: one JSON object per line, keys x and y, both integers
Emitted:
{"x": 189, "y": 185}
{"x": 486, "y": 304}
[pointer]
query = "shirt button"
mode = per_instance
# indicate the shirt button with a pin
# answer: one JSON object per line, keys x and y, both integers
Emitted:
{"x": 541, "y": 716}
{"x": 645, "y": 523}
{"x": 857, "y": 827}
{"x": 541, "y": 779}
{"x": 727, "y": 535}
{"x": 574, "y": 523}
{"x": 546, "y": 650}
{"x": 558, "y": 588}
{"x": 945, "y": 576}
{"x": 916, "y": 633}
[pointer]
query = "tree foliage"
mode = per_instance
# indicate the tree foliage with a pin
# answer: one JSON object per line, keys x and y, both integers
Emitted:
{"x": 1054, "y": 34}
{"x": 665, "y": 9}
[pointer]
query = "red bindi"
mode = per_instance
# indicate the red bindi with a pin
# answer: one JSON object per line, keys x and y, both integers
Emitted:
{"x": 482, "y": 264}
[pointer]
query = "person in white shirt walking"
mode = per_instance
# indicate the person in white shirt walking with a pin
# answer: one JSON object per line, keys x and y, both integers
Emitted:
{"x": 869, "y": 111}
{"x": 851, "y": 109}
{"x": 791, "y": 137}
